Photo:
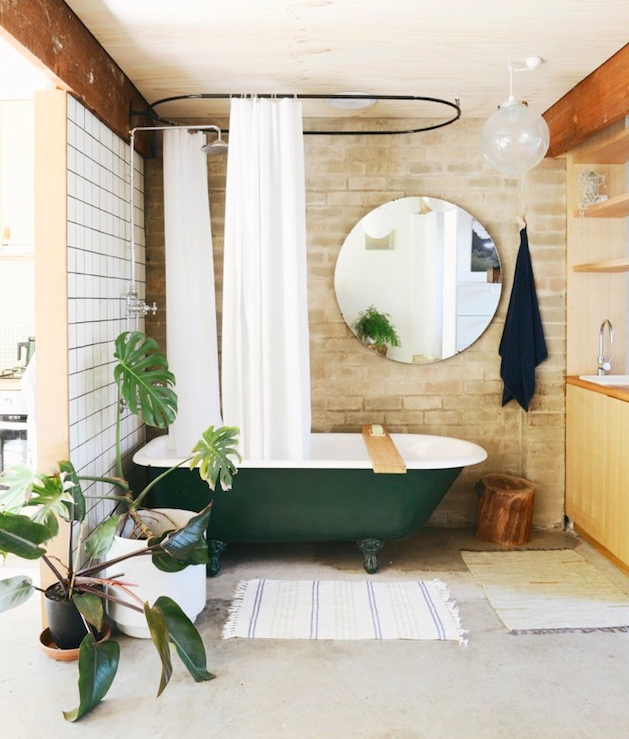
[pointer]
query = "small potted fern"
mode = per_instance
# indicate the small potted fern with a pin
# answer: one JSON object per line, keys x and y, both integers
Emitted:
{"x": 375, "y": 330}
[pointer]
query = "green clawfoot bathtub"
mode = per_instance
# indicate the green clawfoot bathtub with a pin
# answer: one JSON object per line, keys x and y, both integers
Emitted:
{"x": 333, "y": 496}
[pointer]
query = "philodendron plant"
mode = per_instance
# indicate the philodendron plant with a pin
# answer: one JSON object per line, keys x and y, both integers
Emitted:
{"x": 146, "y": 385}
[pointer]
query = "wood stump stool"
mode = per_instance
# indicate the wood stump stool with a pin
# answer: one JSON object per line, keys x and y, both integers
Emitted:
{"x": 505, "y": 509}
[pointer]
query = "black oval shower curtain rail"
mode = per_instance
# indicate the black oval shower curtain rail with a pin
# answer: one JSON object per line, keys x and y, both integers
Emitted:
{"x": 150, "y": 112}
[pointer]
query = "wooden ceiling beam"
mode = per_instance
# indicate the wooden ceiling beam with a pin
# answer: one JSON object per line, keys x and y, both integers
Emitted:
{"x": 52, "y": 37}
{"x": 596, "y": 102}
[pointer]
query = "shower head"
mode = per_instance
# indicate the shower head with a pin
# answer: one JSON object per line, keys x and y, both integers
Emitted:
{"x": 216, "y": 147}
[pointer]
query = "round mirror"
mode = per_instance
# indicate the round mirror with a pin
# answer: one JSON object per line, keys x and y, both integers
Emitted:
{"x": 418, "y": 279}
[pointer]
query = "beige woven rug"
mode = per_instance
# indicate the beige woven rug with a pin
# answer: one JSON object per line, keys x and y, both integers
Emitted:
{"x": 549, "y": 591}
{"x": 328, "y": 609}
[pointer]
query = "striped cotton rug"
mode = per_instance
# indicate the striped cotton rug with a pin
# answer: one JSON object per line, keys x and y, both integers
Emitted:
{"x": 327, "y": 609}
{"x": 551, "y": 591}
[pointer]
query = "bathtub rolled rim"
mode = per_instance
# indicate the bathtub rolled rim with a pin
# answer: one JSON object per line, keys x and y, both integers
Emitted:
{"x": 461, "y": 453}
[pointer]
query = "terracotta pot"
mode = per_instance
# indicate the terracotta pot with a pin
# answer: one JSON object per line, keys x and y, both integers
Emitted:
{"x": 50, "y": 649}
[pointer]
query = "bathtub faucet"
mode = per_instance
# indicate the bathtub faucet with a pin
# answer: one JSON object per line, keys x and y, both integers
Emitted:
{"x": 604, "y": 365}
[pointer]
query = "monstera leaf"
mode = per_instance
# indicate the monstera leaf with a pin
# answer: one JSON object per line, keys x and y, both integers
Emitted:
{"x": 73, "y": 486}
{"x": 58, "y": 496}
{"x": 16, "y": 484}
{"x": 215, "y": 453}
{"x": 144, "y": 379}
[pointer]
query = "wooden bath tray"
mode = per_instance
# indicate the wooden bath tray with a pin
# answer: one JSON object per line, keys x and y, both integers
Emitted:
{"x": 384, "y": 455}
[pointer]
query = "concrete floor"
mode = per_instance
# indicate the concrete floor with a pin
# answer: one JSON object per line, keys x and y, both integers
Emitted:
{"x": 560, "y": 686}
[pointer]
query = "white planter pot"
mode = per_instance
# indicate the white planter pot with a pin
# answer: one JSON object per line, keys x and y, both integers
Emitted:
{"x": 187, "y": 588}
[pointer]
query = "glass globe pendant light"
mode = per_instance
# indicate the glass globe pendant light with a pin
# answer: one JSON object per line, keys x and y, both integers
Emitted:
{"x": 515, "y": 139}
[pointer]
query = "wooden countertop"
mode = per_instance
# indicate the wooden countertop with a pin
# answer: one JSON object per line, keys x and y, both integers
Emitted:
{"x": 621, "y": 392}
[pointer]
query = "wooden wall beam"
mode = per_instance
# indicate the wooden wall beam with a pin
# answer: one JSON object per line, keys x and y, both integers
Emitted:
{"x": 51, "y": 35}
{"x": 596, "y": 102}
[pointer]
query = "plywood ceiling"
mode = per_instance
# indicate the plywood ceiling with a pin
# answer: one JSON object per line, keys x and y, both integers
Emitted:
{"x": 437, "y": 48}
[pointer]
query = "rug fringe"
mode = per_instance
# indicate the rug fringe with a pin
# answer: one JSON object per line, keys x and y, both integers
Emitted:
{"x": 234, "y": 610}
{"x": 453, "y": 610}
{"x": 571, "y": 630}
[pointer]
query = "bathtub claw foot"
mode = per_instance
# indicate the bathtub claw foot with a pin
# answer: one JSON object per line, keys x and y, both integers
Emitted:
{"x": 215, "y": 548}
{"x": 370, "y": 549}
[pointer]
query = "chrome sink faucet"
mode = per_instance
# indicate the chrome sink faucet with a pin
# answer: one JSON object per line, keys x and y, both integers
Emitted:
{"x": 604, "y": 365}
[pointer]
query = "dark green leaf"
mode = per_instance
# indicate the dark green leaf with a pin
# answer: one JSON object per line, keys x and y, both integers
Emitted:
{"x": 99, "y": 542}
{"x": 21, "y": 536}
{"x": 98, "y": 664}
{"x": 214, "y": 454}
{"x": 181, "y": 543}
{"x": 78, "y": 513}
{"x": 167, "y": 563}
{"x": 186, "y": 638}
{"x": 144, "y": 379}
{"x": 159, "y": 634}
{"x": 90, "y": 606}
{"x": 50, "y": 521}
{"x": 14, "y": 591}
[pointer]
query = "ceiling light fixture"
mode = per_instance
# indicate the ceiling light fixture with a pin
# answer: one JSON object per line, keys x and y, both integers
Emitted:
{"x": 350, "y": 100}
{"x": 515, "y": 139}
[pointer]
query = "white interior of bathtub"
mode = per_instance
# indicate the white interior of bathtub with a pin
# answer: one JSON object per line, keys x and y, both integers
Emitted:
{"x": 346, "y": 451}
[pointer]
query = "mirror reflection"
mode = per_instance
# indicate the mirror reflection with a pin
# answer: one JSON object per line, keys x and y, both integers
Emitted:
{"x": 418, "y": 279}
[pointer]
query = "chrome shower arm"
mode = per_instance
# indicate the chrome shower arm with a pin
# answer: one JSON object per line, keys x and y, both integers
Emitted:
{"x": 135, "y": 307}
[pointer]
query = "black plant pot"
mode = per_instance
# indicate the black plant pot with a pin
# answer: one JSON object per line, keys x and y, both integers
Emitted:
{"x": 67, "y": 628}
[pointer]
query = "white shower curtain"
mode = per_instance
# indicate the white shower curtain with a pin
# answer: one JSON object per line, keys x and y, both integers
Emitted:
{"x": 265, "y": 351}
{"x": 190, "y": 304}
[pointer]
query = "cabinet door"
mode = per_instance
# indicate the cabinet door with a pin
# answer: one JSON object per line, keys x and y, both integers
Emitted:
{"x": 586, "y": 460}
{"x": 17, "y": 176}
{"x": 616, "y": 518}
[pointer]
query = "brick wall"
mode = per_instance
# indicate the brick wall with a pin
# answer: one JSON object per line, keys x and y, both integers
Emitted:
{"x": 347, "y": 176}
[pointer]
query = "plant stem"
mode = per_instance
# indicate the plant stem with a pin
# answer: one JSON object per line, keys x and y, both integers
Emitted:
{"x": 103, "y": 594}
{"x": 57, "y": 574}
{"x": 103, "y": 565}
{"x": 142, "y": 495}
{"x": 118, "y": 423}
{"x": 71, "y": 563}
{"x": 118, "y": 481}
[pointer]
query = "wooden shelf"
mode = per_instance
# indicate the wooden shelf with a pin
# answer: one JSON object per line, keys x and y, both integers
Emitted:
{"x": 611, "y": 265}
{"x": 615, "y": 150}
{"x": 616, "y": 207}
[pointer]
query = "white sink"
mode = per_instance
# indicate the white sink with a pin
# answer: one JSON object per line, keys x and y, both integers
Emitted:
{"x": 606, "y": 379}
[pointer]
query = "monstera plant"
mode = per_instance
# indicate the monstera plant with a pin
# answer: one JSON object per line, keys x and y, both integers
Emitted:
{"x": 146, "y": 386}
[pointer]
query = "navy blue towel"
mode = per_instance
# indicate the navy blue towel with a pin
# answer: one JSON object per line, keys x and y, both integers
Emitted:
{"x": 522, "y": 346}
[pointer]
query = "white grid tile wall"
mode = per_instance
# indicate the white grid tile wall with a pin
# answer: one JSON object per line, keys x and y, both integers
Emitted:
{"x": 98, "y": 279}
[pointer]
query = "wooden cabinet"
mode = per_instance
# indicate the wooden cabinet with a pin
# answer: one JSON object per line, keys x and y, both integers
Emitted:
{"x": 597, "y": 468}
{"x": 17, "y": 177}
{"x": 614, "y": 151}
{"x": 597, "y": 251}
